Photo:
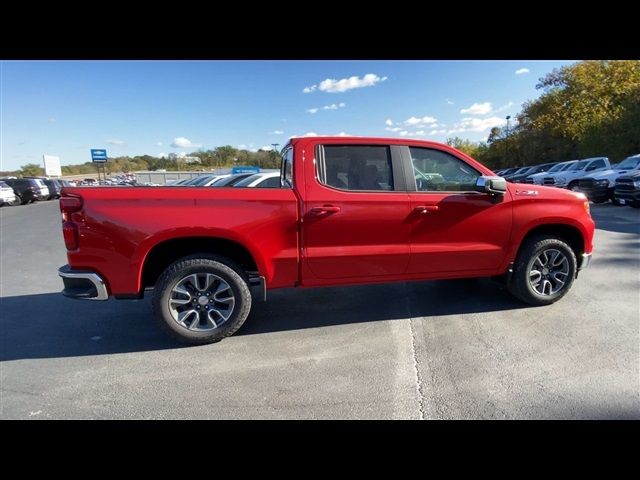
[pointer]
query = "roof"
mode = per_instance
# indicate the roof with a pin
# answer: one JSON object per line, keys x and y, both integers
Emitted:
{"x": 358, "y": 139}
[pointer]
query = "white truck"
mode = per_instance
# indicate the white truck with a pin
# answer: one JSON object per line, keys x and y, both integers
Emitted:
{"x": 599, "y": 186}
{"x": 537, "y": 178}
{"x": 569, "y": 178}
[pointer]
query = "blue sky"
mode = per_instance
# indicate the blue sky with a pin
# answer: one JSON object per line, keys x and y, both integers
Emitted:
{"x": 159, "y": 107}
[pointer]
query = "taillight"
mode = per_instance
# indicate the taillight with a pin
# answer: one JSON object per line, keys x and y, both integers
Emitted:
{"x": 70, "y": 234}
{"x": 69, "y": 205}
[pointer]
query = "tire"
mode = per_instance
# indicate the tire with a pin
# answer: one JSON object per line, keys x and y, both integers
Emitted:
{"x": 227, "y": 280}
{"x": 573, "y": 187}
{"x": 520, "y": 285}
{"x": 616, "y": 202}
{"x": 634, "y": 204}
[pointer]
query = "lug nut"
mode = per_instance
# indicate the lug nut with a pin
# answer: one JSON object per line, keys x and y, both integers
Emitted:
{"x": 211, "y": 300}
{"x": 208, "y": 294}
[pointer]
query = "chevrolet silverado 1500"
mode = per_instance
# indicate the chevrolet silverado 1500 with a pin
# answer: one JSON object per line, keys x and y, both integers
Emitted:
{"x": 349, "y": 211}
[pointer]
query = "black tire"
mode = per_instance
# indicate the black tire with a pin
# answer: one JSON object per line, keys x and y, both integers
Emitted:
{"x": 572, "y": 186}
{"x": 202, "y": 263}
{"x": 616, "y": 202}
{"x": 520, "y": 286}
{"x": 634, "y": 204}
{"x": 600, "y": 200}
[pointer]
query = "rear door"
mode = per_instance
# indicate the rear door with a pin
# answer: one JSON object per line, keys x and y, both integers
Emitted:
{"x": 355, "y": 212}
{"x": 455, "y": 228}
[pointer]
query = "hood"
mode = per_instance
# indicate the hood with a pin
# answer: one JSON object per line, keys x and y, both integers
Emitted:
{"x": 610, "y": 172}
{"x": 525, "y": 191}
{"x": 634, "y": 175}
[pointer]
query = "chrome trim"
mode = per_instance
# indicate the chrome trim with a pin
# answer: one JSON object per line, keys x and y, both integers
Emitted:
{"x": 585, "y": 260}
{"x": 94, "y": 278}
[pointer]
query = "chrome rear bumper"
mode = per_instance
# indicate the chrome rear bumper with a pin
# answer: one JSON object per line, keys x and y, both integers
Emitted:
{"x": 83, "y": 285}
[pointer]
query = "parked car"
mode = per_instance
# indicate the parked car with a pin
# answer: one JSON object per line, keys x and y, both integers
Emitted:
{"x": 627, "y": 190}
{"x": 28, "y": 189}
{"x": 261, "y": 180}
{"x": 569, "y": 178}
{"x": 508, "y": 171}
{"x": 599, "y": 187}
{"x": 518, "y": 171}
{"x": 336, "y": 221}
{"x": 521, "y": 177}
{"x": 7, "y": 195}
{"x": 54, "y": 188}
{"x": 538, "y": 178}
{"x": 231, "y": 180}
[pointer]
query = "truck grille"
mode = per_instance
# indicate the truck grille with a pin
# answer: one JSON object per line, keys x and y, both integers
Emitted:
{"x": 548, "y": 181}
{"x": 586, "y": 183}
{"x": 624, "y": 185}
{"x": 526, "y": 180}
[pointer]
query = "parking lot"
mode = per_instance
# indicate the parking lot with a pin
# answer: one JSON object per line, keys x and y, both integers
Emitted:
{"x": 434, "y": 350}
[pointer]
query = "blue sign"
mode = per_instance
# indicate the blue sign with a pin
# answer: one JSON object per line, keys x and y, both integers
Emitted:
{"x": 98, "y": 155}
{"x": 236, "y": 170}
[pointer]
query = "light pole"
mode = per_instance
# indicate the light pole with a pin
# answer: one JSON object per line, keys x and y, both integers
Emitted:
{"x": 506, "y": 143}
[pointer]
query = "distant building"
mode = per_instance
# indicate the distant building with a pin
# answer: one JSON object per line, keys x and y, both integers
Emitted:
{"x": 183, "y": 158}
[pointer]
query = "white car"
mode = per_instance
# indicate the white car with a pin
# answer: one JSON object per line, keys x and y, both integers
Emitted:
{"x": 569, "y": 178}
{"x": 7, "y": 195}
{"x": 261, "y": 180}
{"x": 537, "y": 178}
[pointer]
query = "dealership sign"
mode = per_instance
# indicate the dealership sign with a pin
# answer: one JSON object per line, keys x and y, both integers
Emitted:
{"x": 52, "y": 166}
{"x": 98, "y": 155}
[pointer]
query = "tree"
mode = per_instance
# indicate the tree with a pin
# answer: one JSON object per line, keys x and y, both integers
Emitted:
{"x": 31, "y": 170}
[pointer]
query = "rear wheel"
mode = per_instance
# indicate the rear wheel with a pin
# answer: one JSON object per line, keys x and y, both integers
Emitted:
{"x": 202, "y": 299}
{"x": 574, "y": 187}
{"x": 544, "y": 271}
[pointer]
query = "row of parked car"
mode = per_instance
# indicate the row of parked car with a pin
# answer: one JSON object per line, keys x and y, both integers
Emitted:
{"x": 595, "y": 177}
{"x": 20, "y": 191}
{"x": 259, "y": 180}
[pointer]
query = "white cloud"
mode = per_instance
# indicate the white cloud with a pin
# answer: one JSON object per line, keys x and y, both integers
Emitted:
{"x": 115, "y": 141}
{"x": 312, "y": 110}
{"x": 506, "y": 106}
{"x": 266, "y": 148}
{"x": 449, "y": 101}
{"x": 438, "y": 132}
{"x": 182, "y": 142}
{"x": 333, "y": 106}
{"x": 310, "y": 89}
{"x": 477, "y": 124}
{"x": 393, "y": 129}
{"x": 404, "y": 133}
{"x": 159, "y": 144}
{"x": 420, "y": 133}
{"x": 388, "y": 122}
{"x": 242, "y": 146}
{"x": 342, "y": 134}
{"x": 310, "y": 134}
{"x": 420, "y": 121}
{"x": 331, "y": 85}
{"x": 162, "y": 155}
{"x": 276, "y": 132}
{"x": 522, "y": 71}
{"x": 477, "y": 109}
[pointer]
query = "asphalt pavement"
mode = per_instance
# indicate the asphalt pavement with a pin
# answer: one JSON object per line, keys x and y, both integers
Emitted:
{"x": 460, "y": 349}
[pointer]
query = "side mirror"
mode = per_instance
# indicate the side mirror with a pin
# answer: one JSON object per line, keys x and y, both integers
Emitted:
{"x": 491, "y": 185}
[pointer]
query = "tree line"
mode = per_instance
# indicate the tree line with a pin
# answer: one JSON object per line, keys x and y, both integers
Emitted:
{"x": 586, "y": 109}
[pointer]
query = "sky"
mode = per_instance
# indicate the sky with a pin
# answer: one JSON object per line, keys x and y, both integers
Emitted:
{"x": 65, "y": 108}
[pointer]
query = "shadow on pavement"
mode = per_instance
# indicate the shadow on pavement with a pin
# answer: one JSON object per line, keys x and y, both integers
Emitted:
{"x": 51, "y": 326}
{"x": 616, "y": 219}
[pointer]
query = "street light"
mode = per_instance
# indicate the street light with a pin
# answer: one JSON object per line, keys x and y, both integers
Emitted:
{"x": 506, "y": 145}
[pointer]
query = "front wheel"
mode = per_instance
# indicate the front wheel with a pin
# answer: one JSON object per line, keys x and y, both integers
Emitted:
{"x": 201, "y": 299}
{"x": 544, "y": 271}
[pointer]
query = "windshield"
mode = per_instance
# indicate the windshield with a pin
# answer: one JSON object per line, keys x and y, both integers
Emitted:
{"x": 578, "y": 166}
{"x": 522, "y": 170}
{"x": 202, "y": 180}
{"x": 40, "y": 183}
{"x": 559, "y": 167}
{"x": 230, "y": 181}
{"x": 249, "y": 180}
{"x": 629, "y": 163}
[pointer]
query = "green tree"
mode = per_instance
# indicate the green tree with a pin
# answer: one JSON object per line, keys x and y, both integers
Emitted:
{"x": 31, "y": 170}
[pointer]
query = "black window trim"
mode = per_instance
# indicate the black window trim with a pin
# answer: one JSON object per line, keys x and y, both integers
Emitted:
{"x": 411, "y": 179}
{"x": 283, "y": 153}
{"x": 397, "y": 170}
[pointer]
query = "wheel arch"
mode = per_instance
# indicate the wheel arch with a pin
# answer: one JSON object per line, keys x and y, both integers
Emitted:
{"x": 165, "y": 251}
{"x": 571, "y": 234}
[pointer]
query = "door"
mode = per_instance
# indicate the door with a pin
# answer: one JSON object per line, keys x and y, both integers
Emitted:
{"x": 355, "y": 212}
{"x": 455, "y": 228}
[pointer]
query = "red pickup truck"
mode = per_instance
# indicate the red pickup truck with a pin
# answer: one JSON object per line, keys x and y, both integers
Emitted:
{"x": 350, "y": 210}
